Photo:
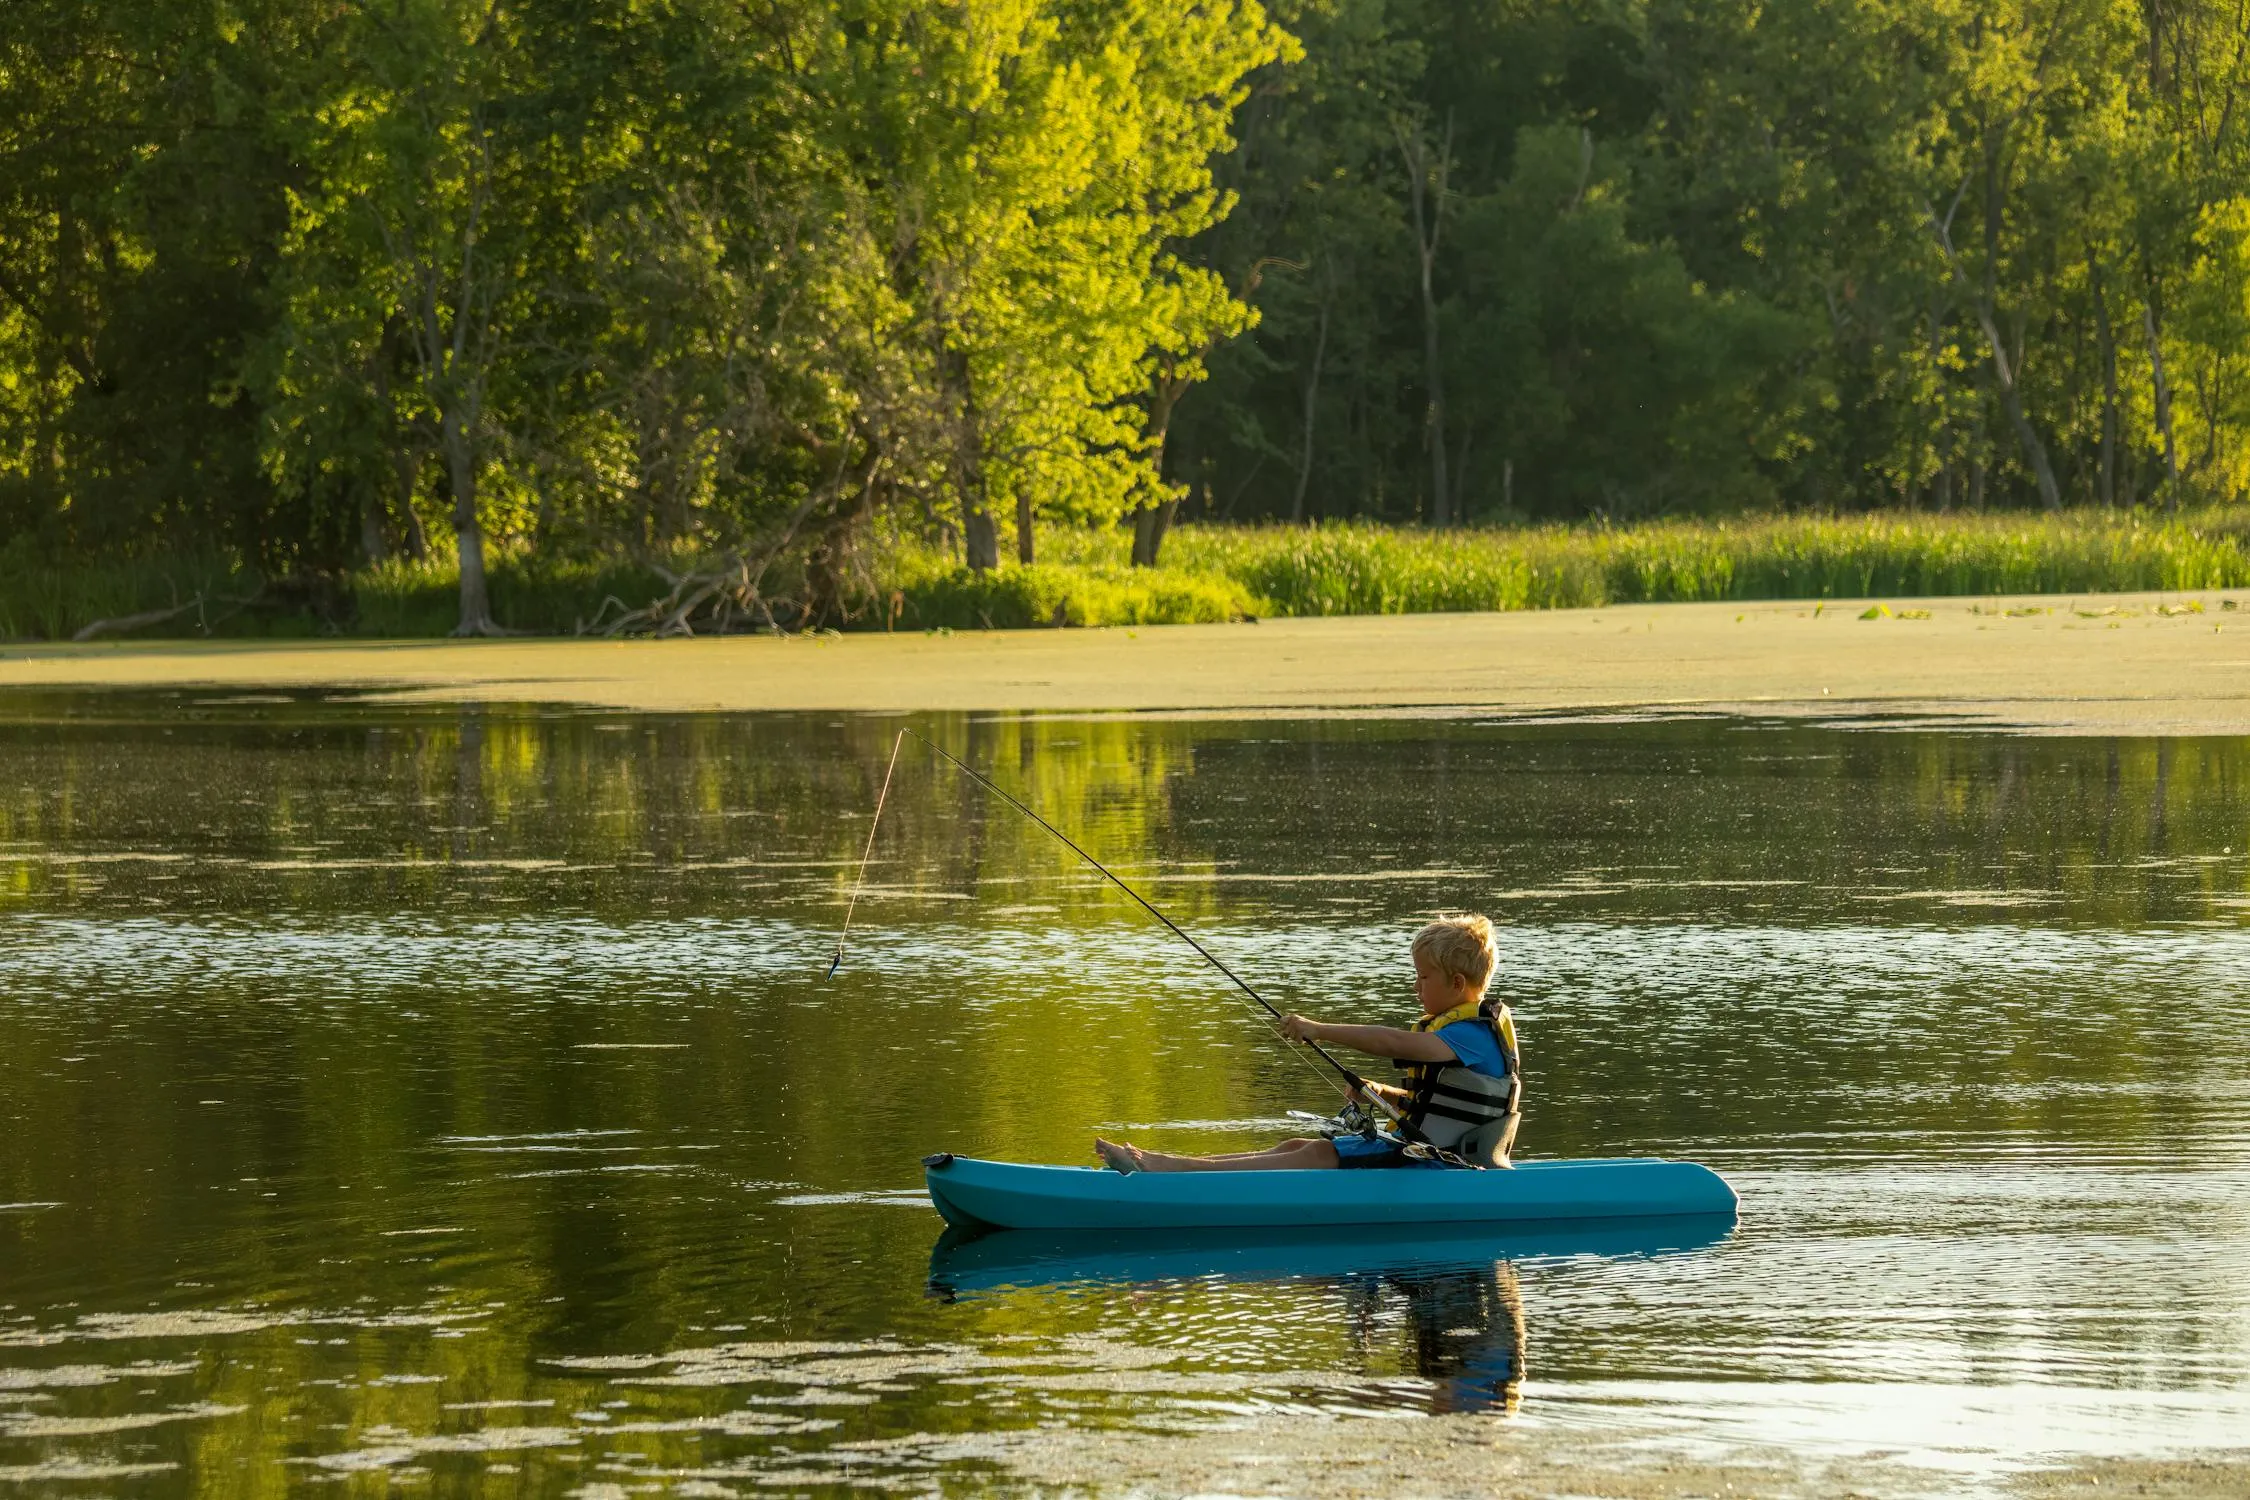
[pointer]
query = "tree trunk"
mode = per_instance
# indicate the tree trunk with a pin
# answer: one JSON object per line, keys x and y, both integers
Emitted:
{"x": 373, "y": 545}
{"x": 2011, "y": 395}
{"x": 417, "y": 534}
{"x": 403, "y": 466}
{"x": 648, "y": 529}
{"x": 2153, "y": 17}
{"x": 2011, "y": 402}
{"x": 1428, "y": 223}
{"x": 2027, "y": 437}
{"x": 1461, "y": 477}
{"x": 1150, "y": 523}
{"x": 1312, "y": 409}
{"x": 1924, "y": 442}
{"x": 1024, "y": 542}
{"x": 980, "y": 538}
{"x": 407, "y": 471}
{"x": 1440, "y": 485}
{"x": 1983, "y": 299}
{"x": 468, "y": 530}
{"x": 2150, "y": 322}
{"x": 2102, "y": 329}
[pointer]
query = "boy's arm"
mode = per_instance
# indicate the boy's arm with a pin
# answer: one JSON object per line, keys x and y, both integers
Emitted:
{"x": 1376, "y": 1041}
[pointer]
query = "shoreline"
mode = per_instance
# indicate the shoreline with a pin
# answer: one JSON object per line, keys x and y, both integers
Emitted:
{"x": 2094, "y": 664}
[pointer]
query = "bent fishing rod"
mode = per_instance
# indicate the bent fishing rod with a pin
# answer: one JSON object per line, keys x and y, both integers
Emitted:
{"x": 1355, "y": 1084}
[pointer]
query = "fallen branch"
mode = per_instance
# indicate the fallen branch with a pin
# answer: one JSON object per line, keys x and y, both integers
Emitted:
{"x": 721, "y": 592}
{"x": 119, "y": 624}
{"x": 734, "y": 585}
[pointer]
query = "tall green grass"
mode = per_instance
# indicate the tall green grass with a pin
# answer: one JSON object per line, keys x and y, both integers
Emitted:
{"x": 528, "y": 593}
{"x": 1347, "y": 570}
{"x": 43, "y": 597}
{"x": 1222, "y": 573}
{"x": 923, "y": 590}
{"x": 1359, "y": 569}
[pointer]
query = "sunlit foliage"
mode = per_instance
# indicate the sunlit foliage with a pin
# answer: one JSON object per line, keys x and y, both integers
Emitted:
{"x": 786, "y": 298}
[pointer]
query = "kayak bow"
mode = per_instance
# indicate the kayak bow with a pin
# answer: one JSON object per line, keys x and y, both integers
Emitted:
{"x": 1005, "y": 1195}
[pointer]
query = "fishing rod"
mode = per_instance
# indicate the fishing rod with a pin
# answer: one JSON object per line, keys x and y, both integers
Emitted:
{"x": 1355, "y": 1084}
{"x": 872, "y": 824}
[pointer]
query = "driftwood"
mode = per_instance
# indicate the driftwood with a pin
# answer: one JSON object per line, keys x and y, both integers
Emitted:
{"x": 728, "y": 594}
{"x": 721, "y": 595}
{"x": 119, "y": 624}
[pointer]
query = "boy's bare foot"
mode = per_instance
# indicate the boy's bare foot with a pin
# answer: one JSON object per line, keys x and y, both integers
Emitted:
{"x": 1117, "y": 1157}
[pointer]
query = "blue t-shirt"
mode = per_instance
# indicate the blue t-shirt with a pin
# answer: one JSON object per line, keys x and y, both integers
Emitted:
{"x": 1477, "y": 1048}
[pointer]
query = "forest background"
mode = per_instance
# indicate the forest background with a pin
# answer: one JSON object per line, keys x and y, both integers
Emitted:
{"x": 406, "y": 315}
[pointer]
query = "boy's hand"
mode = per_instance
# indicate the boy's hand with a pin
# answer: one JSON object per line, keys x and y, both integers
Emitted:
{"x": 1300, "y": 1028}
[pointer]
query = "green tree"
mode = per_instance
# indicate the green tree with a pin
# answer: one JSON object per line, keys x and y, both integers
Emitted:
{"x": 411, "y": 232}
{"x": 1040, "y": 164}
{"x": 139, "y": 201}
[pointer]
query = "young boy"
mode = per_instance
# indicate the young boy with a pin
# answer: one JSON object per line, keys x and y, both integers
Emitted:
{"x": 1465, "y": 1086}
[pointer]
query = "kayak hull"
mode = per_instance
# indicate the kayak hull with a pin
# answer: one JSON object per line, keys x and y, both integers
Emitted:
{"x": 1005, "y": 1195}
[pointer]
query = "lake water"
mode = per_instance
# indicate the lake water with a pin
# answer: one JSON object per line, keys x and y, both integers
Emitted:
{"x": 404, "y": 1096}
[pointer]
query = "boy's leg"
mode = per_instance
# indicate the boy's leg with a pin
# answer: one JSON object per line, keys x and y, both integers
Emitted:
{"x": 1288, "y": 1156}
{"x": 1126, "y": 1157}
{"x": 1297, "y": 1144}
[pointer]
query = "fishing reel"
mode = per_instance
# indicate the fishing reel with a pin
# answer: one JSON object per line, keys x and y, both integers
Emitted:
{"x": 1352, "y": 1119}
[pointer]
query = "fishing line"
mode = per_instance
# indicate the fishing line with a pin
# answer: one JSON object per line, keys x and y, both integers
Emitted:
{"x": 1352, "y": 1080}
{"x": 859, "y": 884}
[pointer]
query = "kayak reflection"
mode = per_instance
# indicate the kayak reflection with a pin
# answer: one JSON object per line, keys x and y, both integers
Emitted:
{"x": 964, "y": 1262}
{"x": 1465, "y": 1333}
{"x": 1450, "y": 1294}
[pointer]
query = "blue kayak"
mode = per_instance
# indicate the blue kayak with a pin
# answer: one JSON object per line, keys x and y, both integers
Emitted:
{"x": 1004, "y": 1195}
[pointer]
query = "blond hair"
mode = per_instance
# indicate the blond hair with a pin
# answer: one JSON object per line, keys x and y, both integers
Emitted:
{"x": 1459, "y": 946}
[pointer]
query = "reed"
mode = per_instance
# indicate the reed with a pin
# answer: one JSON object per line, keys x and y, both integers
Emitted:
{"x": 924, "y": 592}
{"x": 1213, "y": 573}
{"x": 1353, "y": 569}
{"x": 47, "y": 598}
{"x": 540, "y": 596}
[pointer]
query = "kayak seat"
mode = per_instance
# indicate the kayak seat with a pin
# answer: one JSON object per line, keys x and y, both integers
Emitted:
{"x": 1490, "y": 1145}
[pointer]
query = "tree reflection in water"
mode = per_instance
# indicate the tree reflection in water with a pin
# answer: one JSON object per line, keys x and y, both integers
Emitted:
{"x": 484, "y": 1038}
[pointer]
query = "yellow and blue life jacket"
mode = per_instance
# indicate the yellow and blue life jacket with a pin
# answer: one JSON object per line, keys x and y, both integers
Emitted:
{"x": 1449, "y": 1102}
